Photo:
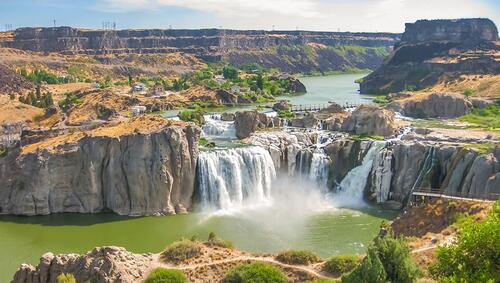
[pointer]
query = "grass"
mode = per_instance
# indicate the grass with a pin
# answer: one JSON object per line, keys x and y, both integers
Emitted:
{"x": 486, "y": 118}
{"x": 482, "y": 148}
{"x": 366, "y": 137}
{"x": 298, "y": 257}
{"x": 255, "y": 273}
{"x": 338, "y": 265}
{"x": 163, "y": 275}
{"x": 381, "y": 99}
{"x": 65, "y": 278}
{"x": 433, "y": 123}
{"x": 285, "y": 114}
{"x": 213, "y": 240}
{"x": 181, "y": 251}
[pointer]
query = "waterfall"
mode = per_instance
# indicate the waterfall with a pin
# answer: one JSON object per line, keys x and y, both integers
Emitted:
{"x": 215, "y": 127}
{"x": 319, "y": 169}
{"x": 382, "y": 174}
{"x": 351, "y": 188}
{"x": 231, "y": 178}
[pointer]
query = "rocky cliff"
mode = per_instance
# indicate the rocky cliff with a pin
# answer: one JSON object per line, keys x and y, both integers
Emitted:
{"x": 433, "y": 51}
{"x": 142, "y": 167}
{"x": 294, "y": 51}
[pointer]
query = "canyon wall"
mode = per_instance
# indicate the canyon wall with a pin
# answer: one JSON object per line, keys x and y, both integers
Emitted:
{"x": 293, "y": 51}
{"x": 134, "y": 173}
{"x": 436, "y": 50}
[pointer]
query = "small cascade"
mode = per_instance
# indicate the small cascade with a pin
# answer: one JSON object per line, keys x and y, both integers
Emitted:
{"x": 215, "y": 127}
{"x": 319, "y": 169}
{"x": 231, "y": 178}
{"x": 352, "y": 186}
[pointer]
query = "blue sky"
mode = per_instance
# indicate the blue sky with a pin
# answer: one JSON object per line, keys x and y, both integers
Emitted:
{"x": 330, "y": 15}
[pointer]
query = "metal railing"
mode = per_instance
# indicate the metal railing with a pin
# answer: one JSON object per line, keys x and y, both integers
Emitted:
{"x": 439, "y": 193}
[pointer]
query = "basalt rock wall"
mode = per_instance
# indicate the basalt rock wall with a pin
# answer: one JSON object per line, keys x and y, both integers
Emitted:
{"x": 135, "y": 174}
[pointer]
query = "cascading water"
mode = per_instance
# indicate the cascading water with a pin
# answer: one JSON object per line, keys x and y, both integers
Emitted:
{"x": 231, "y": 178}
{"x": 318, "y": 172}
{"x": 352, "y": 186}
{"x": 215, "y": 127}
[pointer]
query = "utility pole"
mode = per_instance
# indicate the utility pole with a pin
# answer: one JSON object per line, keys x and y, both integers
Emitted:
{"x": 54, "y": 23}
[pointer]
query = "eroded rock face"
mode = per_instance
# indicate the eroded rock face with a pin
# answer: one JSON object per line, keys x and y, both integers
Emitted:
{"x": 435, "y": 105}
{"x": 248, "y": 122}
{"x": 104, "y": 264}
{"x": 436, "y": 51}
{"x": 133, "y": 174}
{"x": 370, "y": 120}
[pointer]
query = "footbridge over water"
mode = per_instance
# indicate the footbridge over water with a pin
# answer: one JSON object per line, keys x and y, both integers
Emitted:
{"x": 430, "y": 193}
{"x": 319, "y": 107}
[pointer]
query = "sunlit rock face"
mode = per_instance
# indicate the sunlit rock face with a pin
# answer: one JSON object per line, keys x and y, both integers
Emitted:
{"x": 431, "y": 51}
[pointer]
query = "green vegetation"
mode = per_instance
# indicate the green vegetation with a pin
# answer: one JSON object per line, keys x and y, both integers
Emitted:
{"x": 230, "y": 73}
{"x": 42, "y": 76}
{"x": 195, "y": 116}
{"x": 38, "y": 99}
{"x": 69, "y": 101}
{"x": 488, "y": 117}
{"x": 475, "y": 255}
{"x": 433, "y": 123}
{"x": 324, "y": 281}
{"x": 298, "y": 257}
{"x": 214, "y": 241}
{"x": 388, "y": 260}
{"x": 65, "y": 278}
{"x": 181, "y": 250}
{"x": 482, "y": 148}
{"x": 468, "y": 92}
{"x": 338, "y": 265}
{"x": 366, "y": 137}
{"x": 255, "y": 273}
{"x": 381, "y": 99}
{"x": 163, "y": 275}
{"x": 286, "y": 114}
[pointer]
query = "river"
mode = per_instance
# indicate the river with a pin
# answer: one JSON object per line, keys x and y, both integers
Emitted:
{"x": 290, "y": 215}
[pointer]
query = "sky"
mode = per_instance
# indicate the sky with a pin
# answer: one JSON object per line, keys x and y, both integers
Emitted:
{"x": 323, "y": 15}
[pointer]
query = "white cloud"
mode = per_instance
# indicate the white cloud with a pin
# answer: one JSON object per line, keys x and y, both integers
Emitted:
{"x": 344, "y": 15}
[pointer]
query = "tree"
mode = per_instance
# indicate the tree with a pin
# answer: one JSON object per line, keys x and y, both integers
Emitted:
{"x": 260, "y": 81}
{"x": 230, "y": 73}
{"x": 12, "y": 96}
{"x": 475, "y": 256}
{"x": 388, "y": 259}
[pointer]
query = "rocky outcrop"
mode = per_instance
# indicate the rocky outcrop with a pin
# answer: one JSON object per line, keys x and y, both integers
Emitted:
{"x": 142, "y": 167}
{"x": 434, "y": 105}
{"x": 248, "y": 122}
{"x": 12, "y": 82}
{"x": 307, "y": 121}
{"x": 451, "y": 169}
{"x": 282, "y": 105}
{"x": 436, "y": 51}
{"x": 101, "y": 265}
{"x": 370, "y": 120}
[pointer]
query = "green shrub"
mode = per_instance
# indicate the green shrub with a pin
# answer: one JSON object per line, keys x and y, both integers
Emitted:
{"x": 192, "y": 116}
{"x": 230, "y": 73}
{"x": 163, "y": 275}
{"x": 285, "y": 114}
{"x": 255, "y": 273}
{"x": 181, "y": 250}
{"x": 298, "y": 257}
{"x": 388, "y": 259}
{"x": 65, "y": 278}
{"x": 3, "y": 151}
{"x": 475, "y": 256}
{"x": 338, "y": 265}
{"x": 381, "y": 99}
{"x": 468, "y": 92}
{"x": 324, "y": 281}
{"x": 213, "y": 240}
{"x": 488, "y": 117}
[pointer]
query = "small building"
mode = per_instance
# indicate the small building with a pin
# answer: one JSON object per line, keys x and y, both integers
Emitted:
{"x": 138, "y": 87}
{"x": 138, "y": 110}
{"x": 157, "y": 90}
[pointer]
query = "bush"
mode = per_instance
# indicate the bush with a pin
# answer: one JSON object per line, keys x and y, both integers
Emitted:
{"x": 65, "y": 278}
{"x": 182, "y": 250}
{"x": 230, "y": 73}
{"x": 285, "y": 114}
{"x": 163, "y": 275}
{"x": 3, "y": 150}
{"x": 298, "y": 257}
{"x": 324, "y": 281}
{"x": 475, "y": 255}
{"x": 213, "y": 240}
{"x": 341, "y": 264}
{"x": 468, "y": 92}
{"x": 388, "y": 259}
{"x": 192, "y": 116}
{"x": 381, "y": 99}
{"x": 255, "y": 273}
{"x": 488, "y": 117}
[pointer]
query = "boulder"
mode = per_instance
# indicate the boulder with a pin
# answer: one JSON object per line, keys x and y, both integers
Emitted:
{"x": 247, "y": 122}
{"x": 307, "y": 121}
{"x": 228, "y": 117}
{"x": 296, "y": 86}
{"x": 370, "y": 120}
{"x": 282, "y": 105}
{"x": 434, "y": 105}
